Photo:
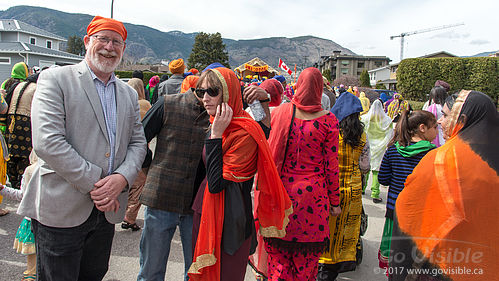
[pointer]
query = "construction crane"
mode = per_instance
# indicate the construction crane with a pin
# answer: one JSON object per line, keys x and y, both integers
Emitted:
{"x": 404, "y": 34}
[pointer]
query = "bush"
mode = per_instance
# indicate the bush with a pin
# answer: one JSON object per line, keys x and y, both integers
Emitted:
{"x": 380, "y": 86}
{"x": 416, "y": 77}
{"x": 416, "y": 105}
{"x": 128, "y": 74}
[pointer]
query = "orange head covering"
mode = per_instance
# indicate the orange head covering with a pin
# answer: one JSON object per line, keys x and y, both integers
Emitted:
{"x": 193, "y": 71}
{"x": 177, "y": 66}
{"x": 189, "y": 82}
{"x": 100, "y": 23}
{"x": 240, "y": 140}
{"x": 308, "y": 93}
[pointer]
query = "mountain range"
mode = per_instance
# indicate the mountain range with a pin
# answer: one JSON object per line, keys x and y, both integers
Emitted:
{"x": 484, "y": 54}
{"x": 149, "y": 45}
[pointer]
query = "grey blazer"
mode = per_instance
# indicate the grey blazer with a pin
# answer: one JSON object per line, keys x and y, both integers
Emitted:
{"x": 71, "y": 141}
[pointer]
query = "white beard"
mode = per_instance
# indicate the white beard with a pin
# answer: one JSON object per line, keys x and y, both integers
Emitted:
{"x": 102, "y": 64}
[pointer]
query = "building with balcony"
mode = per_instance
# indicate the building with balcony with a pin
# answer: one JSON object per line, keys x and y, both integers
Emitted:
{"x": 353, "y": 65}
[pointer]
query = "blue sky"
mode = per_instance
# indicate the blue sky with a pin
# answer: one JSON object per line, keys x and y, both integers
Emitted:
{"x": 364, "y": 27}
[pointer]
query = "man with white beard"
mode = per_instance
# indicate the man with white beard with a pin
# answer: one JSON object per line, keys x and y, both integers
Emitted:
{"x": 90, "y": 141}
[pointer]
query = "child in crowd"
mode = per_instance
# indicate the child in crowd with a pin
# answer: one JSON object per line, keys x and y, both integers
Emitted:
{"x": 24, "y": 242}
{"x": 413, "y": 135}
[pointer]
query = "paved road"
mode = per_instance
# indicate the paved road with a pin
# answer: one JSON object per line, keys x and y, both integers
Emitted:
{"x": 124, "y": 264}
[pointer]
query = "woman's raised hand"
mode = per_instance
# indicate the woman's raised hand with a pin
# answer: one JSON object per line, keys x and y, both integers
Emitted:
{"x": 221, "y": 121}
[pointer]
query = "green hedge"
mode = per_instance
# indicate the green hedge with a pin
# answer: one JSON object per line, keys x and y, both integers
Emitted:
{"x": 128, "y": 74}
{"x": 416, "y": 77}
{"x": 416, "y": 105}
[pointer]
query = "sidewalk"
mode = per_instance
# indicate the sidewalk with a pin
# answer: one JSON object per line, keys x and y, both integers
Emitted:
{"x": 124, "y": 263}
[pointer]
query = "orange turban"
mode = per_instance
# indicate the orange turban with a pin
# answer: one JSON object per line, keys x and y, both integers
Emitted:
{"x": 189, "y": 82}
{"x": 193, "y": 71}
{"x": 100, "y": 23}
{"x": 177, "y": 66}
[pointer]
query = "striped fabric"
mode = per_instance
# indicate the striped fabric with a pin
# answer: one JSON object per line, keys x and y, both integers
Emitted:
{"x": 345, "y": 228}
{"x": 393, "y": 172}
{"x": 107, "y": 98}
{"x": 172, "y": 174}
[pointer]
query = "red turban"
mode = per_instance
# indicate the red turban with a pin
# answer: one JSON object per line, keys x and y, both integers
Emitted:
{"x": 100, "y": 23}
{"x": 189, "y": 82}
{"x": 443, "y": 84}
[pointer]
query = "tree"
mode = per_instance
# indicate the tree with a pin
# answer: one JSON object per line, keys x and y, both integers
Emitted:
{"x": 364, "y": 79}
{"x": 207, "y": 49}
{"x": 327, "y": 73}
{"x": 75, "y": 45}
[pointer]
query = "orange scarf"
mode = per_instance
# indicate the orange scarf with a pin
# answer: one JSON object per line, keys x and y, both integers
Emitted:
{"x": 274, "y": 203}
{"x": 448, "y": 207}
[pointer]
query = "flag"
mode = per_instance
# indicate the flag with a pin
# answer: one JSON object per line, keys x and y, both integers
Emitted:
{"x": 284, "y": 67}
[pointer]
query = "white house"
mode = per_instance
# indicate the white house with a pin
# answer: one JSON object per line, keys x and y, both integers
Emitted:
{"x": 21, "y": 42}
{"x": 379, "y": 74}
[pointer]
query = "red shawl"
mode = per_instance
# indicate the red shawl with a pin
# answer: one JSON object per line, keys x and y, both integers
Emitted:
{"x": 307, "y": 98}
{"x": 274, "y": 89}
{"x": 308, "y": 93}
{"x": 274, "y": 203}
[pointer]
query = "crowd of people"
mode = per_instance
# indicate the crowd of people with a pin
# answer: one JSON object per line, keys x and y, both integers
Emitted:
{"x": 250, "y": 169}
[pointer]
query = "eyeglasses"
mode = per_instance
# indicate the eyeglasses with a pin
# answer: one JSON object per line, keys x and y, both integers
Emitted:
{"x": 211, "y": 92}
{"x": 106, "y": 40}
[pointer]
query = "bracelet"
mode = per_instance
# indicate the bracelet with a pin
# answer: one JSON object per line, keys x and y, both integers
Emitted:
{"x": 265, "y": 100}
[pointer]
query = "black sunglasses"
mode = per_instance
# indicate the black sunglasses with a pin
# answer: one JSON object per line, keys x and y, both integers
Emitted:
{"x": 211, "y": 92}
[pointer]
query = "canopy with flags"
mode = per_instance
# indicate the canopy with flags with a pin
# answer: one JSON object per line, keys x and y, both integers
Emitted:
{"x": 255, "y": 66}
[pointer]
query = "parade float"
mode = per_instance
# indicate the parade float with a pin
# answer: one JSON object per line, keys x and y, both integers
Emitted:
{"x": 255, "y": 67}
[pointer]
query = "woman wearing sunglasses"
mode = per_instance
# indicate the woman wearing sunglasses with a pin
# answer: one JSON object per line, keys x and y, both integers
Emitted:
{"x": 235, "y": 150}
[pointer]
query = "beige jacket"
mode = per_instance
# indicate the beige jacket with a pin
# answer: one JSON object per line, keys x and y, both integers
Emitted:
{"x": 71, "y": 141}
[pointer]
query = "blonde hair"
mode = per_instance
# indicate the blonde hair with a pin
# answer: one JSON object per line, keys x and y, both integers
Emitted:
{"x": 138, "y": 86}
{"x": 212, "y": 79}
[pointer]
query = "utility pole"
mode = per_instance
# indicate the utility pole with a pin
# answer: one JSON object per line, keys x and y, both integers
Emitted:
{"x": 112, "y": 5}
{"x": 305, "y": 63}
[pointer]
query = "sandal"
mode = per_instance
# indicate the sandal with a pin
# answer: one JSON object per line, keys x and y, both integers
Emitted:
{"x": 29, "y": 277}
{"x": 132, "y": 226}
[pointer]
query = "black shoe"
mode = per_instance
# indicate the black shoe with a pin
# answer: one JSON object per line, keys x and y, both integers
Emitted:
{"x": 377, "y": 200}
{"x": 132, "y": 226}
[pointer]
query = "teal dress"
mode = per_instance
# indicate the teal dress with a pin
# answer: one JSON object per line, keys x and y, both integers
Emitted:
{"x": 25, "y": 240}
{"x": 24, "y": 243}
